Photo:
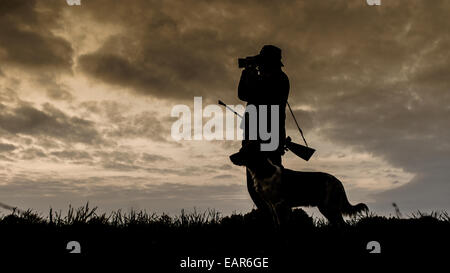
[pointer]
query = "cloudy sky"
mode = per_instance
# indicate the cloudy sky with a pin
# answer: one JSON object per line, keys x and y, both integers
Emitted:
{"x": 86, "y": 94}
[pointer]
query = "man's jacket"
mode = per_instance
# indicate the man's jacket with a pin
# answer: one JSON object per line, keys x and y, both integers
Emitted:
{"x": 266, "y": 89}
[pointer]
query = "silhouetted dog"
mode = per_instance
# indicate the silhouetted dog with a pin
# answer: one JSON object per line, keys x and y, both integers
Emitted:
{"x": 281, "y": 189}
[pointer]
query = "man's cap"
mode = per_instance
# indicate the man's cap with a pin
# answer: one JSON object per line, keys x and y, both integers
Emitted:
{"x": 271, "y": 53}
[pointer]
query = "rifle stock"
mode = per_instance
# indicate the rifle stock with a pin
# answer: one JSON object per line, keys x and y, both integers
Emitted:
{"x": 299, "y": 150}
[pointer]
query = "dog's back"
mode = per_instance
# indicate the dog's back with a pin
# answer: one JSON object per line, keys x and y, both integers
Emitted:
{"x": 305, "y": 188}
{"x": 318, "y": 189}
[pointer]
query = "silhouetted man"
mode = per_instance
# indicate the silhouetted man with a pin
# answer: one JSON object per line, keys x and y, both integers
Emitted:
{"x": 265, "y": 84}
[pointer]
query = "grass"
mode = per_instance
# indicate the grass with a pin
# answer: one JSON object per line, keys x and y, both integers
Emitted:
{"x": 86, "y": 215}
{"x": 209, "y": 234}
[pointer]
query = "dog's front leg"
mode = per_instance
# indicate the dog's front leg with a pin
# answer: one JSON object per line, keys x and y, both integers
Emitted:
{"x": 275, "y": 217}
{"x": 283, "y": 212}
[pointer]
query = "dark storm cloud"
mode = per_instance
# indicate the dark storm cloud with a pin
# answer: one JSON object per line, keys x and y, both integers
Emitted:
{"x": 224, "y": 176}
{"x": 5, "y": 147}
{"x": 182, "y": 172}
{"x": 32, "y": 153}
{"x": 142, "y": 125}
{"x": 160, "y": 54}
{"x": 5, "y": 158}
{"x": 65, "y": 155}
{"x": 117, "y": 156}
{"x": 111, "y": 160}
{"x": 26, "y": 37}
{"x": 118, "y": 70}
{"x": 126, "y": 161}
{"x": 190, "y": 48}
{"x": 59, "y": 94}
{"x": 146, "y": 157}
{"x": 427, "y": 191}
{"x": 122, "y": 161}
{"x": 55, "y": 90}
{"x": 45, "y": 142}
{"x": 379, "y": 86}
{"x": 113, "y": 111}
{"x": 224, "y": 167}
{"x": 48, "y": 122}
{"x": 145, "y": 124}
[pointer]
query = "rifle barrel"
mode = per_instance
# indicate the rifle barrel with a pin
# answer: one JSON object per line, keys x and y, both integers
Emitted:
{"x": 236, "y": 113}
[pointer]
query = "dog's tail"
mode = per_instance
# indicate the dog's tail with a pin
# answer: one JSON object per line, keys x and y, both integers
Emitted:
{"x": 349, "y": 209}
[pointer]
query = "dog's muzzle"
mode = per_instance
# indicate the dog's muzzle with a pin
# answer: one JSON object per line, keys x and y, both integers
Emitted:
{"x": 237, "y": 159}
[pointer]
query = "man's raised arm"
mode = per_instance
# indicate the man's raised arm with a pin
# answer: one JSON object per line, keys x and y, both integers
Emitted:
{"x": 247, "y": 84}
